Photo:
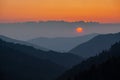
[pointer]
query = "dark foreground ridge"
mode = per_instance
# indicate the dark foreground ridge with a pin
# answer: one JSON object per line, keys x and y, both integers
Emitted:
{"x": 105, "y": 66}
{"x": 21, "y": 62}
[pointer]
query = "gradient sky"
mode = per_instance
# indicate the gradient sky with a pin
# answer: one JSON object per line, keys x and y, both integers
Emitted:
{"x": 69, "y": 10}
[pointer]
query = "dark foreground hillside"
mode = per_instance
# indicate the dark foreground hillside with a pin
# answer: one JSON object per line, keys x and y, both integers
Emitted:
{"x": 18, "y": 65}
{"x": 105, "y": 66}
{"x": 67, "y": 60}
{"x": 109, "y": 70}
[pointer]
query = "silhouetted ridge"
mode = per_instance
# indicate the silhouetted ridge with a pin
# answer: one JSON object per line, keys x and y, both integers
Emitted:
{"x": 105, "y": 66}
{"x": 22, "y": 62}
{"x": 64, "y": 59}
{"x": 18, "y": 65}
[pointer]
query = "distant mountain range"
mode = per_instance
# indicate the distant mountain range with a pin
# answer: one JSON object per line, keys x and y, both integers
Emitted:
{"x": 61, "y": 44}
{"x": 96, "y": 45}
{"x": 105, "y": 66}
{"x": 30, "y": 30}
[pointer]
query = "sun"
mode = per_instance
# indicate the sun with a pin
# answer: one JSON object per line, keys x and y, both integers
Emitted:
{"x": 79, "y": 29}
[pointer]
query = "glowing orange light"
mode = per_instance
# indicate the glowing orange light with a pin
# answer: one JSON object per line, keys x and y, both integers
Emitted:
{"x": 79, "y": 29}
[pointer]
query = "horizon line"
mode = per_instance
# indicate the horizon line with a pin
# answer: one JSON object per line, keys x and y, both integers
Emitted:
{"x": 39, "y": 21}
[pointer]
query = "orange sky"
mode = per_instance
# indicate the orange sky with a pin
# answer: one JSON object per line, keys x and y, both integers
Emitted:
{"x": 68, "y": 10}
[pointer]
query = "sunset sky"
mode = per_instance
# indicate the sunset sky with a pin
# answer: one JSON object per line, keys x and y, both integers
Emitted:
{"x": 105, "y": 11}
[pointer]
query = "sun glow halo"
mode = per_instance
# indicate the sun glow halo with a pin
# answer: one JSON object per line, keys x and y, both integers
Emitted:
{"x": 79, "y": 29}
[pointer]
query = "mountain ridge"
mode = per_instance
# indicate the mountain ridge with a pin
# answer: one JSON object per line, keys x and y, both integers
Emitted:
{"x": 22, "y": 42}
{"x": 96, "y": 45}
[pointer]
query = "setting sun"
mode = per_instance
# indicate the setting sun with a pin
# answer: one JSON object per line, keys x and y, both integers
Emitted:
{"x": 79, "y": 29}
